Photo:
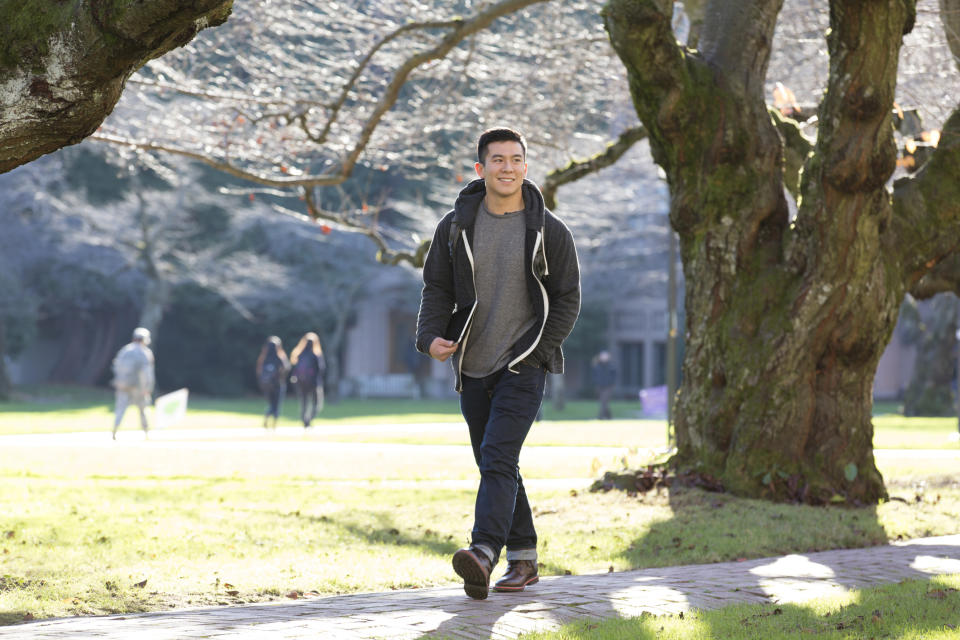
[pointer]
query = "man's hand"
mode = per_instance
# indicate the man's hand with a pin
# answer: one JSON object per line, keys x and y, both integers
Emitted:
{"x": 441, "y": 349}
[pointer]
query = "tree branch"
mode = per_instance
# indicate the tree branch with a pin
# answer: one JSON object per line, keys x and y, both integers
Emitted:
{"x": 579, "y": 168}
{"x": 950, "y": 16}
{"x": 63, "y": 66}
{"x": 463, "y": 29}
{"x": 226, "y": 166}
{"x": 943, "y": 277}
{"x": 926, "y": 215}
{"x": 736, "y": 40}
{"x": 348, "y": 86}
{"x": 219, "y": 95}
{"x": 385, "y": 254}
{"x": 641, "y": 34}
{"x": 855, "y": 153}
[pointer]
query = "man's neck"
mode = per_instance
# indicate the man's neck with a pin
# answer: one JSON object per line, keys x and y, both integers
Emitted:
{"x": 499, "y": 206}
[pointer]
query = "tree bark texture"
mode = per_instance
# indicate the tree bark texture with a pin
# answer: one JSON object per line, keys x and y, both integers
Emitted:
{"x": 63, "y": 64}
{"x": 786, "y": 320}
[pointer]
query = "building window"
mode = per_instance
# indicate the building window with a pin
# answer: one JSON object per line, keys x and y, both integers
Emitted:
{"x": 631, "y": 365}
{"x": 659, "y": 364}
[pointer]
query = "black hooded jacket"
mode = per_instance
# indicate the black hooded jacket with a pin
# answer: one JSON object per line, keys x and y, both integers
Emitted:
{"x": 553, "y": 281}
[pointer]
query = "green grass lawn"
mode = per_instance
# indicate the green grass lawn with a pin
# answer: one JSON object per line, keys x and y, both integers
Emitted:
{"x": 254, "y": 518}
{"x": 54, "y": 409}
{"x": 911, "y": 610}
{"x": 82, "y": 545}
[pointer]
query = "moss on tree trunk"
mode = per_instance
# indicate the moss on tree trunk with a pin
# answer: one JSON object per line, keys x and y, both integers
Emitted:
{"x": 786, "y": 319}
{"x": 63, "y": 65}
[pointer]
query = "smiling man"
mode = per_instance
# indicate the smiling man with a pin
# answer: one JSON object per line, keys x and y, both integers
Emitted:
{"x": 501, "y": 292}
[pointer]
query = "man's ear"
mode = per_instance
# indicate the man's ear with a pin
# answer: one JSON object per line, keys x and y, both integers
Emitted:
{"x": 478, "y": 168}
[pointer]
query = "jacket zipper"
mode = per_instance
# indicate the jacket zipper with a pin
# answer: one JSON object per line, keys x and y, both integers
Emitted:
{"x": 469, "y": 324}
{"x": 546, "y": 303}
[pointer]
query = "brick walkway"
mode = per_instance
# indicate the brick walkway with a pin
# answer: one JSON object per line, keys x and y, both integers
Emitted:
{"x": 448, "y": 613}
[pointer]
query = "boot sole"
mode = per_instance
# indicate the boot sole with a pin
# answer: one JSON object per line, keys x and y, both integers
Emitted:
{"x": 476, "y": 581}
{"x": 501, "y": 588}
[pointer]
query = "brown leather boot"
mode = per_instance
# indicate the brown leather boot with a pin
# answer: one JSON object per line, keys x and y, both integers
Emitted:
{"x": 520, "y": 573}
{"x": 474, "y": 567}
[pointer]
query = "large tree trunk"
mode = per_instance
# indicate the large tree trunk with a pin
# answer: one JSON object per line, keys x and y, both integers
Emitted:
{"x": 63, "y": 64}
{"x": 786, "y": 322}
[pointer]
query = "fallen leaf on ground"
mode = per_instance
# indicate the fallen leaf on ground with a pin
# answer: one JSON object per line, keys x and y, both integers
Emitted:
{"x": 233, "y": 592}
{"x": 141, "y": 584}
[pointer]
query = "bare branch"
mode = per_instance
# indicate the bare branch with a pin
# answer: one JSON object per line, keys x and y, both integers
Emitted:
{"x": 950, "y": 16}
{"x": 944, "y": 277}
{"x": 349, "y": 84}
{"x": 219, "y": 95}
{"x": 467, "y": 28}
{"x": 579, "y": 168}
{"x": 462, "y": 29}
{"x": 385, "y": 254}
{"x": 225, "y": 166}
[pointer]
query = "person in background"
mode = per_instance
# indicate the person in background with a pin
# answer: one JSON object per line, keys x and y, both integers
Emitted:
{"x": 604, "y": 381}
{"x": 308, "y": 371}
{"x": 272, "y": 368}
{"x": 133, "y": 378}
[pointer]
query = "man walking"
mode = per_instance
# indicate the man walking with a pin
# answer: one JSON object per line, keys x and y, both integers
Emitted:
{"x": 133, "y": 378}
{"x": 501, "y": 293}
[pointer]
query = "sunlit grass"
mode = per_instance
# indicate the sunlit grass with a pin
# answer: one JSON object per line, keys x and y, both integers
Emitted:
{"x": 328, "y": 512}
{"x": 911, "y": 610}
{"x": 81, "y": 544}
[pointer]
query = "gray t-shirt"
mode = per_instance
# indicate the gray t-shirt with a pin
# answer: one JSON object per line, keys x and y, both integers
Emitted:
{"x": 504, "y": 312}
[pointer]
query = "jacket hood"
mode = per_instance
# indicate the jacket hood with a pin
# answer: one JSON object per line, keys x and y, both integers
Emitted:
{"x": 468, "y": 203}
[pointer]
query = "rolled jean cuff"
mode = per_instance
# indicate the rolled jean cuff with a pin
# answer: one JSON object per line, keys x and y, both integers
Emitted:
{"x": 521, "y": 554}
{"x": 487, "y": 551}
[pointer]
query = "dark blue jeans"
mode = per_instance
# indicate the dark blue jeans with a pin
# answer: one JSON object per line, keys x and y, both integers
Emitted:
{"x": 499, "y": 410}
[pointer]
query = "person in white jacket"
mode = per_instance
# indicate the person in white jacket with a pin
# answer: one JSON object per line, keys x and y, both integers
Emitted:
{"x": 133, "y": 378}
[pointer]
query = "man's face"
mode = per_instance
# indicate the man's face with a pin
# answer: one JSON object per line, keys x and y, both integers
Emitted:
{"x": 504, "y": 168}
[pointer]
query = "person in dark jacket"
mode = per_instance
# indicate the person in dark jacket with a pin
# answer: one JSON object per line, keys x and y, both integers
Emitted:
{"x": 501, "y": 292}
{"x": 604, "y": 381}
{"x": 308, "y": 371}
{"x": 272, "y": 368}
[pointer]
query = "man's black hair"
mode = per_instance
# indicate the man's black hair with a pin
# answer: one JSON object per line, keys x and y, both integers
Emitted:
{"x": 498, "y": 135}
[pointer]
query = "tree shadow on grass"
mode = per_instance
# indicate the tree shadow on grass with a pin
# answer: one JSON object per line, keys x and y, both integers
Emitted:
{"x": 793, "y": 553}
{"x": 384, "y": 532}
